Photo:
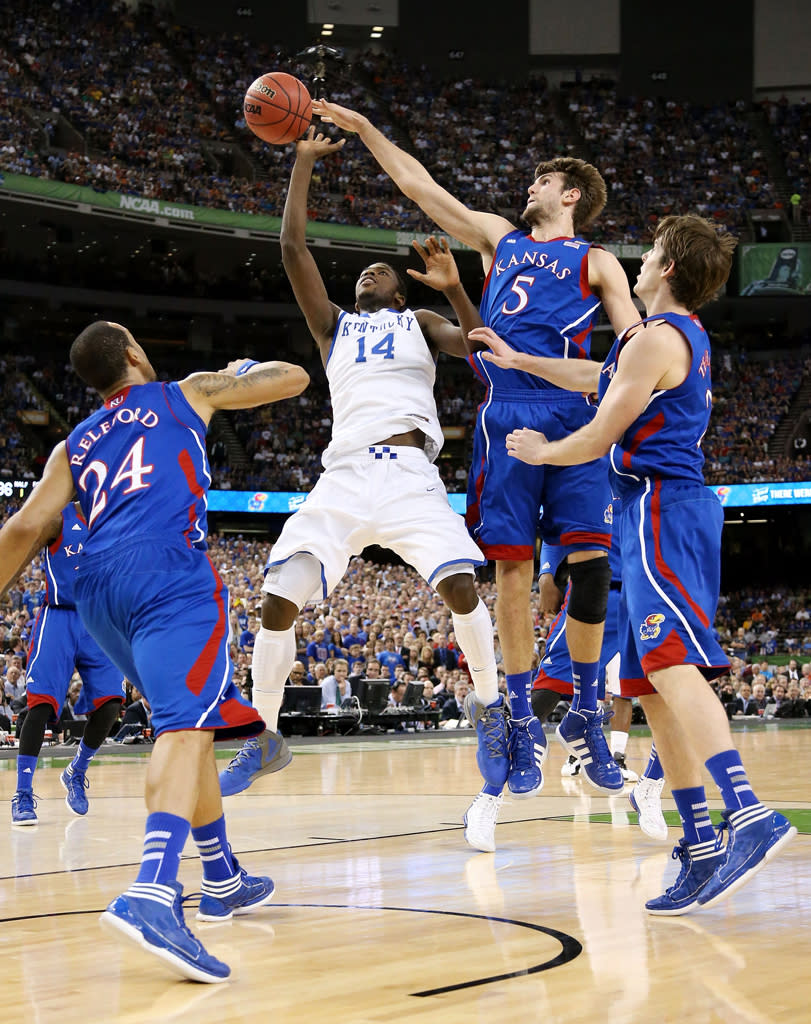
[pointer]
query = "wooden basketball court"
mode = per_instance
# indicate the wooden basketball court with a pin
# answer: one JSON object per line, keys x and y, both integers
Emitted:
{"x": 382, "y": 913}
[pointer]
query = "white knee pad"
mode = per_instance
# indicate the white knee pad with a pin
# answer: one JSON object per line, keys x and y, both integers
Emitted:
{"x": 298, "y": 580}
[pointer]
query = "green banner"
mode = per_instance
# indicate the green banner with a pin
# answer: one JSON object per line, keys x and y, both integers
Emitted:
{"x": 160, "y": 211}
{"x": 771, "y": 269}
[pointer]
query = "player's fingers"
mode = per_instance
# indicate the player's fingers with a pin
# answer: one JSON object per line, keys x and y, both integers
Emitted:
{"x": 443, "y": 244}
{"x": 418, "y": 248}
{"x": 416, "y": 274}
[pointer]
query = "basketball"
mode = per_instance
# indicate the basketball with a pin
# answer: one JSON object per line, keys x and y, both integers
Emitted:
{"x": 278, "y": 108}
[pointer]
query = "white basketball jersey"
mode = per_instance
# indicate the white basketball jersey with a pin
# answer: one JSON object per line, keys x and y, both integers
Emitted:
{"x": 381, "y": 379}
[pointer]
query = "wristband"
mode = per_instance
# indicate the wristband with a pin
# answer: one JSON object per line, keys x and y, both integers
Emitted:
{"x": 246, "y": 366}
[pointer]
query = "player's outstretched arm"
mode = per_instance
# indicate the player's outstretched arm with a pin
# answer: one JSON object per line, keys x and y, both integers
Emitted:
{"x": 243, "y": 384}
{"x": 650, "y": 360}
{"x": 301, "y": 268}
{"x": 442, "y": 274}
{"x": 30, "y": 528}
{"x": 571, "y": 374}
{"x": 481, "y": 231}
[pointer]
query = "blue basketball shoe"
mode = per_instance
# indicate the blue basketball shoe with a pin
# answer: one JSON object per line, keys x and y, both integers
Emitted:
{"x": 152, "y": 917}
{"x": 259, "y": 756}
{"x": 490, "y": 723}
{"x": 756, "y": 835}
{"x": 698, "y": 863}
{"x": 581, "y": 734}
{"x": 528, "y": 750}
{"x": 22, "y": 808}
{"x": 240, "y": 894}
{"x": 75, "y": 783}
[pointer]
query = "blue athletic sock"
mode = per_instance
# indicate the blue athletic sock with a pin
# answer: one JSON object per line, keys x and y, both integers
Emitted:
{"x": 215, "y": 853}
{"x": 654, "y": 768}
{"x": 164, "y": 839}
{"x": 518, "y": 687}
{"x": 84, "y": 756}
{"x": 691, "y": 804}
{"x": 584, "y": 681}
{"x": 26, "y": 766}
{"x": 492, "y": 790}
{"x": 729, "y": 776}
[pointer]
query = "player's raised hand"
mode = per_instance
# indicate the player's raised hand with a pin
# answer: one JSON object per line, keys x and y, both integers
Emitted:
{"x": 317, "y": 145}
{"x": 527, "y": 445}
{"x": 500, "y": 352}
{"x": 441, "y": 271}
{"x": 332, "y": 113}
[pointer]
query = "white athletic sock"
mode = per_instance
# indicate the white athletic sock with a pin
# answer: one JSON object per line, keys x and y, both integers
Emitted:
{"x": 474, "y": 632}
{"x": 273, "y": 656}
{"x": 617, "y": 742}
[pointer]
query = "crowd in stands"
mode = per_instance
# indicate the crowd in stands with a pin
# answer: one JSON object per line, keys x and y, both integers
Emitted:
{"x": 282, "y": 443}
{"x": 385, "y": 622}
{"x": 80, "y": 109}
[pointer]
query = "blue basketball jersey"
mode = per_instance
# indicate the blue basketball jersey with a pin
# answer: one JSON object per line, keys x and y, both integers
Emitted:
{"x": 62, "y": 558}
{"x": 141, "y": 470}
{"x": 664, "y": 442}
{"x": 537, "y": 297}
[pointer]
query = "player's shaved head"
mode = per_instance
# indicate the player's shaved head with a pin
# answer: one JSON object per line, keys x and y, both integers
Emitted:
{"x": 98, "y": 355}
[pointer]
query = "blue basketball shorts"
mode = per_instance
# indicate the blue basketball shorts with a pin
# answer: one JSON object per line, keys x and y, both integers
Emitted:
{"x": 505, "y": 495}
{"x": 670, "y": 536}
{"x": 59, "y": 644}
{"x": 161, "y": 612}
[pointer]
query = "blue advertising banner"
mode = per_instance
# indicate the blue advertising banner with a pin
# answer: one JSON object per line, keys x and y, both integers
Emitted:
{"x": 730, "y": 496}
{"x": 282, "y": 501}
{"x": 741, "y": 495}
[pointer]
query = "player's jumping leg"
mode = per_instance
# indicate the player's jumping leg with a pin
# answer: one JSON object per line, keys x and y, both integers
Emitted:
{"x": 646, "y": 796}
{"x": 528, "y": 745}
{"x": 618, "y": 737}
{"x": 484, "y": 705}
{"x": 756, "y": 833}
{"x": 180, "y": 779}
{"x": 96, "y": 731}
{"x": 581, "y": 731}
{"x": 32, "y": 735}
{"x": 287, "y": 587}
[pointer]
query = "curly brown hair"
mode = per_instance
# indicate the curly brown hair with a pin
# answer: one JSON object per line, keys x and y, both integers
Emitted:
{"x": 702, "y": 256}
{"x": 578, "y": 174}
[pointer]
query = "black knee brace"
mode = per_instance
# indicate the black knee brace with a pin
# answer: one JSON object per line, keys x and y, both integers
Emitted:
{"x": 589, "y": 597}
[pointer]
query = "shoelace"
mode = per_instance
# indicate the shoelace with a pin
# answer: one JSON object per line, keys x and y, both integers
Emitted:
{"x": 719, "y": 833}
{"x": 243, "y": 755}
{"x": 490, "y": 809}
{"x": 680, "y": 853}
{"x": 521, "y": 744}
{"x": 78, "y": 779}
{"x": 597, "y": 740}
{"x": 493, "y": 732}
{"x": 26, "y": 798}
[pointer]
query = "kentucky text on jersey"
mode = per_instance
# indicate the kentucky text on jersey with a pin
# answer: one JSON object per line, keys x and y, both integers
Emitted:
{"x": 367, "y": 326}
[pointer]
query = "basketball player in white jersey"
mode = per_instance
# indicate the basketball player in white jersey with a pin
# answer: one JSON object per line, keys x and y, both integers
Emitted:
{"x": 379, "y": 485}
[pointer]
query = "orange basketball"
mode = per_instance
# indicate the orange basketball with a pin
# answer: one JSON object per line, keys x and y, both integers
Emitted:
{"x": 278, "y": 108}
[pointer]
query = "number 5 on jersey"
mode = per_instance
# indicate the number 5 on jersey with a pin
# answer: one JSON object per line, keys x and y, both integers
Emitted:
{"x": 132, "y": 469}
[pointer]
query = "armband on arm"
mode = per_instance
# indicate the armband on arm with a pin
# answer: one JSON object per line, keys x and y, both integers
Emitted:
{"x": 246, "y": 366}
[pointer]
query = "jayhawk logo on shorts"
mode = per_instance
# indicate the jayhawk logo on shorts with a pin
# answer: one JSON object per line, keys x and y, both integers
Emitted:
{"x": 651, "y": 627}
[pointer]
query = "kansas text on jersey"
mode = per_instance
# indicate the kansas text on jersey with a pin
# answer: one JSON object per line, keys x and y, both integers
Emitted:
{"x": 537, "y": 297}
